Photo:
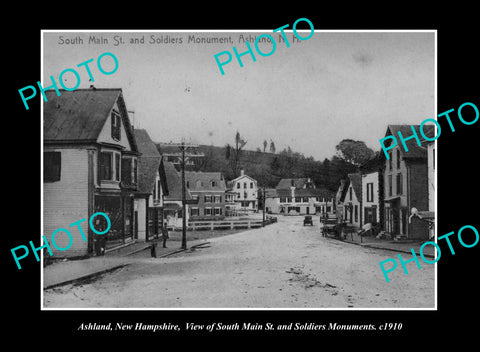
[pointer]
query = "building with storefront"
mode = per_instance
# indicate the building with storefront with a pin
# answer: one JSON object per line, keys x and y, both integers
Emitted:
{"x": 298, "y": 196}
{"x": 89, "y": 165}
{"x": 405, "y": 184}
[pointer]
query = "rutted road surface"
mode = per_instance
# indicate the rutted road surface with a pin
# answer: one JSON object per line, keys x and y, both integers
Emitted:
{"x": 284, "y": 265}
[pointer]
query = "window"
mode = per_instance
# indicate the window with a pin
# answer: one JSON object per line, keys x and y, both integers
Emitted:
{"x": 213, "y": 183}
{"x": 399, "y": 184}
{"x": 188, "y": 184}
{"x": 390, "y": 181}
{"x": 356, "y": 213}
{"x": 398, "y": 158}
{"x": 194, "y": 212}
{"x": 217, "y": 199}
{"x": 251, "y": 184}
{"x": 208, "y": 211}
{"x": 180, "y": 213}
{"x": 52, "y": 162}
{"x": 289, "y": 199}
{"x": 305, "y": 199}
{"x": 218, "y": 211}
{"x": 129, "y": 170}
{"x": 207, "y": 199}
{"x": 433, "y": 158}
{"x": 198, "y": 184}
{"x": 370, "y": 192}
{"x": 117, "y": 166}
{"x": 195, "y": 197}
{"x": 116, "y": 125}
{"x": 158, "y": 190}
{"x": 298, "y": 199}
{"x": 283, "y": 199}
{"x": 106, "y": 172}
{"x": 245, "y": 195}
{"x": 350, "y": 193}
{"x": 238, "y": 185}
{"x": 244, "y": 185}
{"x": 390, "y": 160}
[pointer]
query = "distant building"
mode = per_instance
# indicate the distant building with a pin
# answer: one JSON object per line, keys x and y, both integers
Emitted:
{"x": 90, "y": 165}
{"x": 352, "y": 204}
{"x": 340, "y": 197}
{"x": 208, "y": 188}
{"x": 298, "y": 196}
{"x": 245, "y": 193}
{"x": 172, "y": 209}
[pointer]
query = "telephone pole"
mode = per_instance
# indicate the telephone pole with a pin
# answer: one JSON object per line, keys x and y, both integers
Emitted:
{"x": 183, "y": 158}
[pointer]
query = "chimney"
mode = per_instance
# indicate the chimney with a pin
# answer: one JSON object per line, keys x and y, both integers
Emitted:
{"x": 242, "y": 172}
{"x": 292, "y": 192}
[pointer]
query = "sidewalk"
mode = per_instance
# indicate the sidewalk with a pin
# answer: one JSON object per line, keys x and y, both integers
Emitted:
{"x": 396, "y": 246}
{"x": 69, "y": 271}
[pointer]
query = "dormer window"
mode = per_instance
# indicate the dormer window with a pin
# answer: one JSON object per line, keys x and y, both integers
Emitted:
{"x": 116, "y": 123}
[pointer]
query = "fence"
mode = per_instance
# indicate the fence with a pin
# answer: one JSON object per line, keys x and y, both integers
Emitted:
{"x": 229, "y": 224}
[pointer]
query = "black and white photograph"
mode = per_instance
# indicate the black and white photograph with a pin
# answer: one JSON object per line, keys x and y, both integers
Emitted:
{"x": 239, "y": 169}
{"x": 241, "y": 173}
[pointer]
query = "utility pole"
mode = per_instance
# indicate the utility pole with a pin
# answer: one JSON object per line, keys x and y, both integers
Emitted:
{"x": 184, "y": 199}
{"x": 263, "y": 204}
{"x": 183, "y": 147}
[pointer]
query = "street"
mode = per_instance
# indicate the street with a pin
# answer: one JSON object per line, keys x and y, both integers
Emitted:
{"x": 284, "y": 265}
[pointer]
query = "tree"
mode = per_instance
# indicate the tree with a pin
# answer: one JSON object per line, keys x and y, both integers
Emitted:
{"x": 234, "y": 153}
{"x": 354, "y": 152}
{"x": 272, "y": 147}
{"x": 264, "y": 145}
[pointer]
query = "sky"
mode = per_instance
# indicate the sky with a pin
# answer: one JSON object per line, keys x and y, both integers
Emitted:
{"x": 309, "y": 96}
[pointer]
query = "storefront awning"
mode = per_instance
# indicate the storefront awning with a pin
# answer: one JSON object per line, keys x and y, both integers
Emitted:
{"x": 392, "y": 199}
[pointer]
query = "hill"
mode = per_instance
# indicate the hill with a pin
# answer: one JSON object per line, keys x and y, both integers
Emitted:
{"x": 268, "y": 168}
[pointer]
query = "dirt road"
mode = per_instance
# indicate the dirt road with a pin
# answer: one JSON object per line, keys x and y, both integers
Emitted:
{"x": 284, "y": 265}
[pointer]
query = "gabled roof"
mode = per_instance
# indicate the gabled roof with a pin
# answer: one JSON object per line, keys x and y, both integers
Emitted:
{"x": 205, "y": 179}
{"x": 286, "y": 183}
{"x": 149, "y": 163}
{"x": 145, "y": 144}
{"x": 342, "y": 190}
{"x": 78, "y": 116}
{"x": 240, "y": 177}
{"x": 301, "y": 192}
{"x": 356, "y": 182}
{"x": 414, "y": 150}
{"x": 174, "y": 183}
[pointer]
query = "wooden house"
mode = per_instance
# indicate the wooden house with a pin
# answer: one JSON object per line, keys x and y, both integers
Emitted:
{"x": 352, "y": 203}
{"x": 298, "y": 196}
{"x": 372, "y": 190}
{"x": 90, "y": 165}
{"x": 208, "y": 189}
{"x": 245, "y": 193}
{"x": 152, "y": 188}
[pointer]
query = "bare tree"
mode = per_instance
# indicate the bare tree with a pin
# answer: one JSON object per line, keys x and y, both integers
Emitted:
{"x": 234, "y": 153}
{"x": 272, "y": 147}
